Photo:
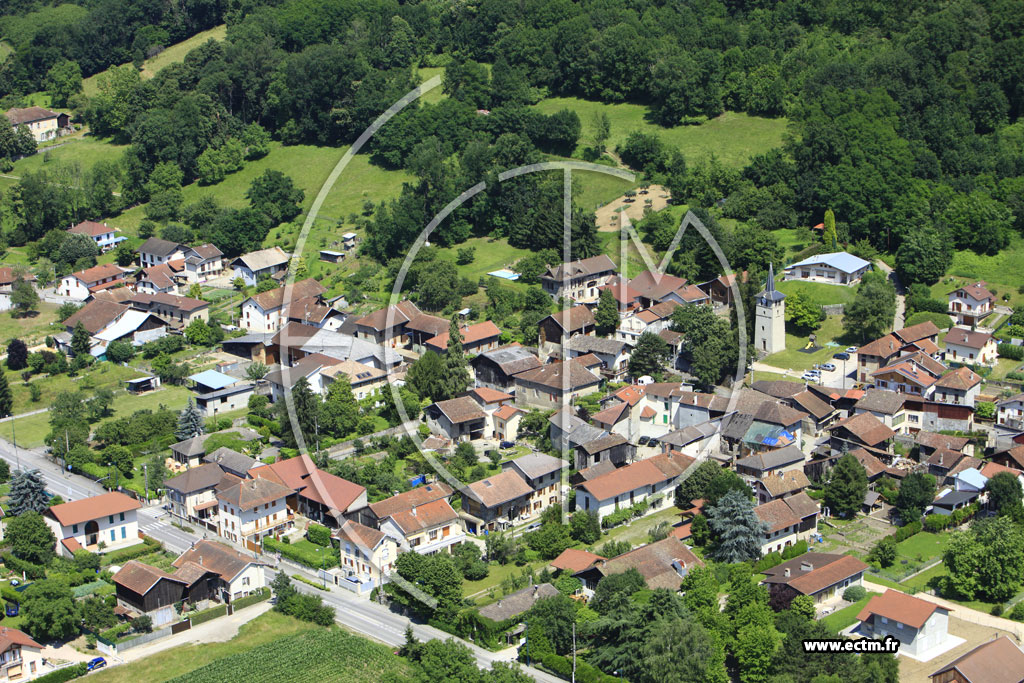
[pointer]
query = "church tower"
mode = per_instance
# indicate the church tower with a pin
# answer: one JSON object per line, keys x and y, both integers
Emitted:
{"x": 770, "y": 318}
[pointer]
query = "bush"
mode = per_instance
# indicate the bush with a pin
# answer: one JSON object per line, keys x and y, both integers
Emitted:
{"x": 585, "y": 673}
{"x": 319, "y": 535}
{"x": 143, "y": 624}
{"x": 767, "y": 562}
{"x": 936, "y": 522}
{"x": 66, "y": 674}
{"x": 854, "y": 593}
{"x": 624, "y": 515}
{"x": 908, "y": 530}
{"x": 112, "y": 634}
{"x": 19, "y": 566}
{"x": 1010, "y": 351}
{"x": 794, "y": 550}
{"x": 252, "y": 599}
{"x": 206, "y": 615}
{"x": 997, "y": 609}
{"x": 1017, "y": 613}
{"x": 148, "y": 545}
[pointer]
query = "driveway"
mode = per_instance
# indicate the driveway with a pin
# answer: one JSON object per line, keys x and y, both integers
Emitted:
{"x": 214, "y": 631}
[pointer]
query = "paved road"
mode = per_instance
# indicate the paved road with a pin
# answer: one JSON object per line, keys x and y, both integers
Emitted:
{"x": 355, "y": 613}
{"x": 901, "y": 305}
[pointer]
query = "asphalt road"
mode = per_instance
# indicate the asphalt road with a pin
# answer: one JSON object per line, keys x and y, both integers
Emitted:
{"x": 355, "y": 613}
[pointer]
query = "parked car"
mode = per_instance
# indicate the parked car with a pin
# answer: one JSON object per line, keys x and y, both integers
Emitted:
{"x": 815, "y": 372}
{"x": 643, "y": 440}
{"x": 653, "y": 443}
{"x": 851, "y": 349}
{"x": 507, "y": 444}
{"x": 11, "y": 609}
{"x": 809, "y": 377}
{"x": 828, "y": 367}
{"x": 96, "y": 663}
{"x": 842, "y": 355}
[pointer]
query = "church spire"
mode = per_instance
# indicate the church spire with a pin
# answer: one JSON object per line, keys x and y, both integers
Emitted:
{"x": 770, "y": 285}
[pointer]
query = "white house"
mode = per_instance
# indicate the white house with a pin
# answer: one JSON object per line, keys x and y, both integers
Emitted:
{"x": 284, "y": 379}
{"x": 100, "y": 233}
{"x": 971, "y": 303}
{"x": 238, "y": 574}
{"x": 626, "y": 486}
{"x": 959, "y": 387}
{"x": 250, "y": 509}
{"x": 613, "y": 354}
{"x": 216, "y": 392}
{"x": 155, "y": 251}
{"x": 1010, "y": 412}
{"x": 787, "y": 521}
{"x": 969, "y": 347}
{"x": 82, "y": 284}
{"x": 578, "y": 280}
{"x": 203, "y": 263}
{"x": 367, "y": 556}
{"x": 21, "y": 658}
{"x": 263, "y": 312}
{"x": 919, "y": 625}
{"x": 109, "y": 519}
{"x": 837, "y": 268}
{"x": 255, "y": 265}
{"x": 426, "y": 529}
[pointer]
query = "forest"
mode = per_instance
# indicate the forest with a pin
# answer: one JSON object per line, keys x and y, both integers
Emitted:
{"x": 903, "y": 117}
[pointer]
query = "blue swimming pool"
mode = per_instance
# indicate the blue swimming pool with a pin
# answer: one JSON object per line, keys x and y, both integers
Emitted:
{"x": 505, "y": 274}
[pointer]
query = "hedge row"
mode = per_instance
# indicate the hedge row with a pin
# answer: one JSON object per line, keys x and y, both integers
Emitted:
{"x": 112, "y": 634}
{"x": 252, "y": 599}
{"x": 148, "y": 545}
{"x": 936, "y": 522}
{"x": 1010, "y": 351}
{"x": 19, "y": 566}
{"x": 206, "y": 615}
{"x": 66, "y": 674}
{"x": 319, "y": 534}
{"x": 908, "y": 530}
{"x": 585, "y": 673}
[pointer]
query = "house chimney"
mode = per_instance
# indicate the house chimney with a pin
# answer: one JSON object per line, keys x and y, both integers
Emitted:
{"x": 413, "y": 511}
{"x": 806, "y": 566}
{"x": 535, "y": 588}
{"x": 786, "y": 572}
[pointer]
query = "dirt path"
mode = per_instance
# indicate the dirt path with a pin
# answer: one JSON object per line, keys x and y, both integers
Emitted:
{"x": 607, "y": 215}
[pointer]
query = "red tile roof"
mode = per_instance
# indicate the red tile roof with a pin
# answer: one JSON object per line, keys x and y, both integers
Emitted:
{"x": 470, "y": 335}
{"x": 488, "y": 395}
{"x": 900, "y": 607}
{"x": 997, "y": 661}
{"x": 12, "y": 636}
{"x": 87, "y": 509}
{"x": 97, "y": 273}
{"x": 575, "y": 560}
{"x": 90, "y": 228}
{"x": 422, "y": 517}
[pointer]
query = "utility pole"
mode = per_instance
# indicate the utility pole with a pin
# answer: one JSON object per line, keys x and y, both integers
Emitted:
{"x": 14, "y": 438}
{"x": 145, "y": 469}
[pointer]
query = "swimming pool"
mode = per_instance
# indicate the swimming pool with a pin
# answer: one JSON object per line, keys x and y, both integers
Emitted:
{"x": 505, "y": 274}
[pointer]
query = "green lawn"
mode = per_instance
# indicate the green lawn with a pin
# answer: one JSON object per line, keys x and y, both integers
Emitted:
{"x": 921, "y": 581}
{"x": 732, "y": 137}
{"x": 425, "y": 74}
{"x": 31, "y": 329}
{"x": 847, "y": 616}
{"x": 489, "y": 255}
{"x": 174, "y": 53}
{"x": 162, "y": 666}
{"x": 925, "y": 545}
{"x": 794, "y": 359}
{"x": 84, "y": 151}
{"x": 818, "y": 292}
{"x": 101, "y": 376}
{"x": 592, "y": 189}
{"x": 1002, "y": 272}
{"x": 496, "y": 574}
{"x": 32, "y": 430}
{"x": 636, "y": 531}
